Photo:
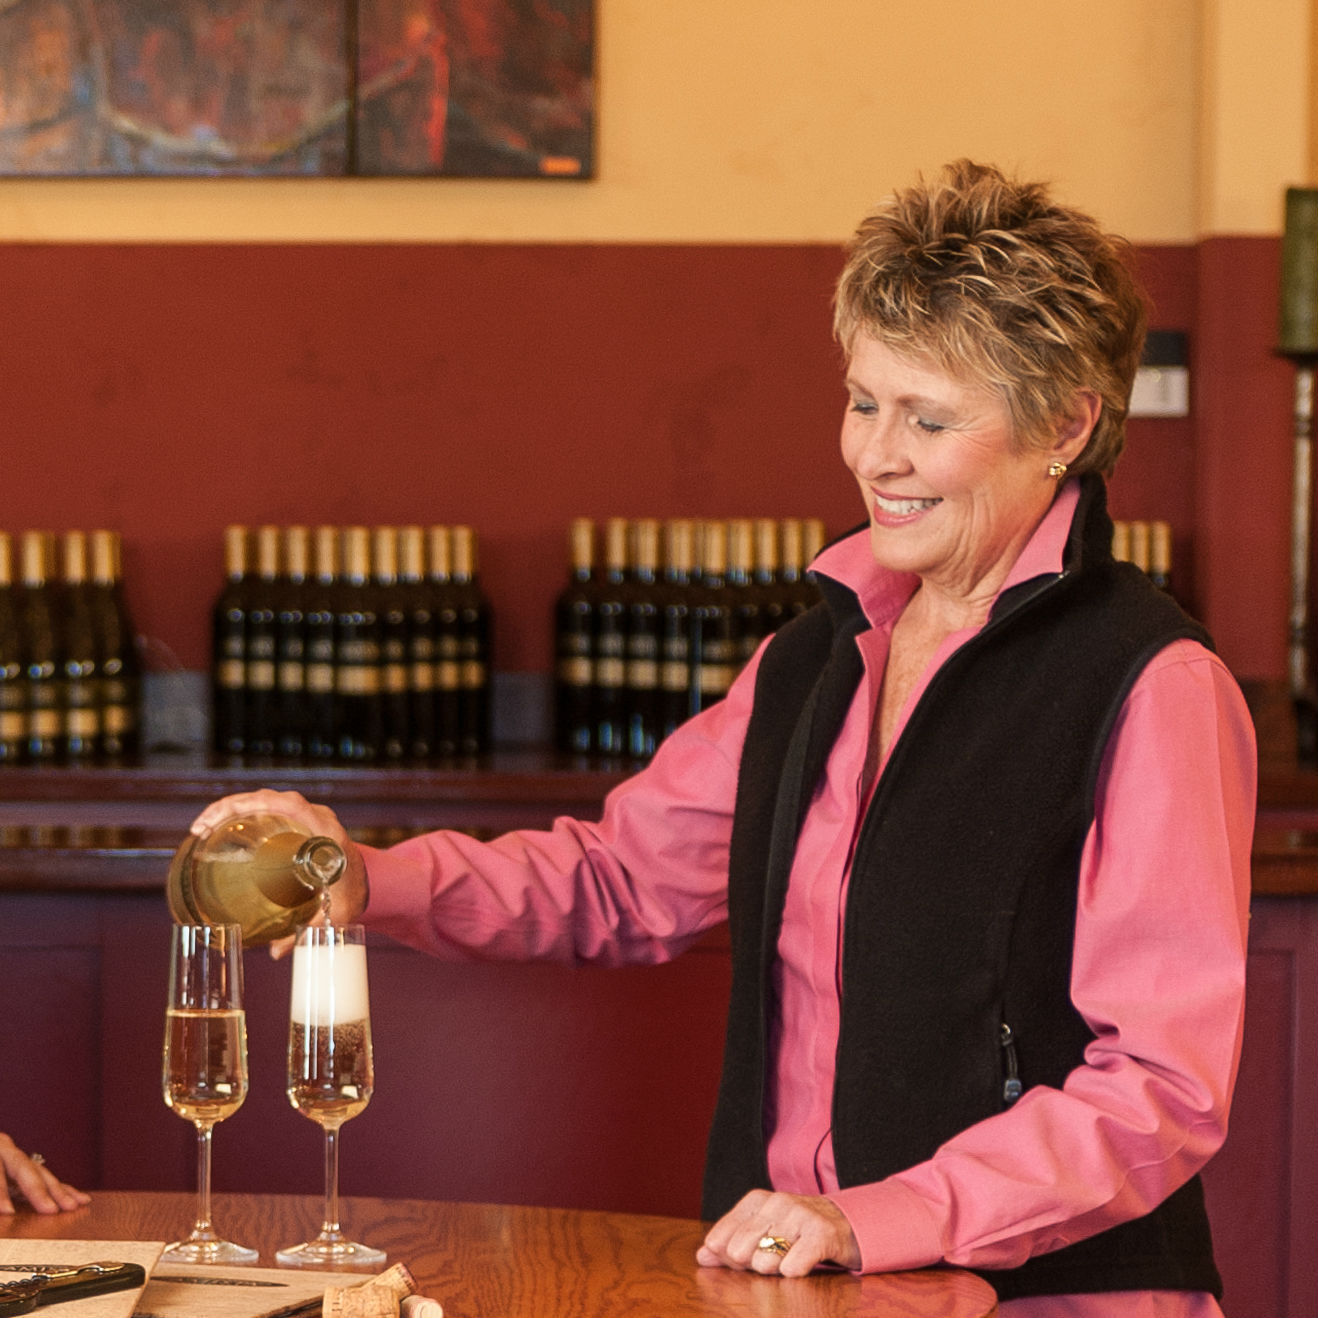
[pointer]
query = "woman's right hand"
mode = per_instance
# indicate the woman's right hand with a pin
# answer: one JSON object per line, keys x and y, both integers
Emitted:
{"x": 348, "y": 897}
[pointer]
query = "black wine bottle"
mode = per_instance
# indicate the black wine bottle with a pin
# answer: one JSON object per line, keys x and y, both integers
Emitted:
{"x": 749, "y": 623}
{"x": 357, "y": 654}
{"x": 229, "y": 648}
{"x": 291, "y": 644}
{"x": 644, "y": 635}
{"x": 475, "y": 634}
{"x": 610, "y": 735}
{"x": 418, "y": 607}
{"x": 262, "y": 707}
{"x": 574, "y": 641}
{"x": 45, "y": 675}
{"x": 675, "y": 686}
{"x": 390, "y": 606}
{"x": 714, "y": 643}
{"x": 320, "y": 616}
{"x": 772, "y": 612}
{"x": 117, "y": 653}
{"x": 78, "y": 653}
{"x": 13, "y": 663}
{"x": 448, "y": 663}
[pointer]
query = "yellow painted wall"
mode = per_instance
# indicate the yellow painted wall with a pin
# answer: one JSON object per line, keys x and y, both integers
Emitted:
{"x": 783, "y": 120}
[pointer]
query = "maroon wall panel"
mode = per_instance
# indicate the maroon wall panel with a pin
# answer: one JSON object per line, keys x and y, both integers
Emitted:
{"x": 168, "y": 389}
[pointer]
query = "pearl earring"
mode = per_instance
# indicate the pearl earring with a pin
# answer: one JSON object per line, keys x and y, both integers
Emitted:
{"x": 1057, "y": 470}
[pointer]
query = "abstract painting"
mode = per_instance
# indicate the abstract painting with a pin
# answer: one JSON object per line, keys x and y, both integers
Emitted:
{"x": 267, "y": 88}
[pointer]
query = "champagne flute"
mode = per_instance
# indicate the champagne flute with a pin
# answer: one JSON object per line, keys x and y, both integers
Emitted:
{"x": 330, "y": 1070}
{"x": 205, "y": 1065}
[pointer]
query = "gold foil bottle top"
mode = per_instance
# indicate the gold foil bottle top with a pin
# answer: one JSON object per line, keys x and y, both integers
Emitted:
{"x": 615, "y": 544}
{"x": 384, "y": 555}
{"x": 439, "y": 553}
{"x": 356, "y": 554}
{"x": 581, "y": 544}
{"x": 792, "y": 542}
{"x": 766, "y": 545}
{"x": 411, "y": 553}
{"x": 296, "y": 552}
{"x": 1160, "y": 549}
{"x": 680, "y": 551}
{"x": 1139, "y": 545}
{"x": 714, "y": 548}
{"x": 267, "y": 552}
{"x": 6, "y": 559}
{"x": 741, "y": 545}
{"x": 75, "y": 557}
{"x": 464, "y": 553}
{"x": 35, "y": 547}
{"x": 235, "y": 552}
{"x": 325, "y": 543}
{"x": 645, "y": 544}
{"x": 812, "y": 539}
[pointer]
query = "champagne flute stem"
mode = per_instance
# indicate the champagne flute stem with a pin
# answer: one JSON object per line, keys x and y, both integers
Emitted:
{"x": 203, "y": 1229}
{"x": 331, "y": 1226}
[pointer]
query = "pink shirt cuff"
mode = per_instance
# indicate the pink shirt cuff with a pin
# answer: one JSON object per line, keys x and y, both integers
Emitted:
{"x": 892, "y": 1225}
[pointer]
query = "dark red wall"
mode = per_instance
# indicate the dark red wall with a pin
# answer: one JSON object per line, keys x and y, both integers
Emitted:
{"x": 169, "y": 389}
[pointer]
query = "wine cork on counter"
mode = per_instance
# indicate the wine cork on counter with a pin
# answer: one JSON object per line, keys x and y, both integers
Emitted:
{"x": 380, "y": 1297}
{"x": 419, "y": 1306}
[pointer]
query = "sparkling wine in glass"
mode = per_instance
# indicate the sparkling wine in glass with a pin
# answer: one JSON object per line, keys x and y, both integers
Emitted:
{"x": 330, "y": 1069}
{"x": 205, "y": 1063}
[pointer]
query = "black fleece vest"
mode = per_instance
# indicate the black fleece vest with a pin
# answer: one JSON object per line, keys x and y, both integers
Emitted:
{"x": 960, "y": 911}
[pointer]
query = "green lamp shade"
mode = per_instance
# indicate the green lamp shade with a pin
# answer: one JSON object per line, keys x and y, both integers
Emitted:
{"x": 1299, "y": 273}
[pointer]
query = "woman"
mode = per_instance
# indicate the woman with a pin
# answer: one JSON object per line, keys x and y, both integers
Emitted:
{"x": 980, "y": 822}
{"x": 26, "y": 1176}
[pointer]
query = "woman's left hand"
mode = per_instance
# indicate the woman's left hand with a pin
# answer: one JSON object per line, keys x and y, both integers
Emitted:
{"x": 814, "y": 1228}
{"x": 26, "y": 1176}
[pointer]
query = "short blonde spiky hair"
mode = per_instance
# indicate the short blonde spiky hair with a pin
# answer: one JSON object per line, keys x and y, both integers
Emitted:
{"x": 1001, "y": 286}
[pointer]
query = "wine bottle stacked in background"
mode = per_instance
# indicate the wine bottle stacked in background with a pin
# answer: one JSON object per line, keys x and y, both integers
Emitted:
{"x": 715, "y": 648}
{"x": 610, "y": 645}
{"x": 574, "y": 643}
{"x": 357, "y": 653}
{"x": 13, "y": 663}
{"x": 291, "y": 599}
{"x": 262, "y": 705}
{"x": 119, "y": 666}
{"x": 474, "y": 633}
{"x": 45, "y": 677}
{"x": 676, "y": 703}
{"x": 78, "y": 656}
{"x": 229, "y": 648}
{"x": 448, "y": 662}
{"x": 1148, "y": 546}
{"x": 391, "y": 609}
{"x": 418, "y": 604}
{"x": 320, "y": 724}
{"x": 644, "y": 641}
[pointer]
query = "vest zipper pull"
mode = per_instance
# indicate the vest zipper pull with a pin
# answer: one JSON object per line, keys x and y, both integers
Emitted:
{"x": 1011, "y": 1087}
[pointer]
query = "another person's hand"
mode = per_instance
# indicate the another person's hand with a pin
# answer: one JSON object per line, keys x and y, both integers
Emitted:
{"x": 349, "y": 895}
{"x": 25, "y": 1176}
{"x": 813, "y": 1229}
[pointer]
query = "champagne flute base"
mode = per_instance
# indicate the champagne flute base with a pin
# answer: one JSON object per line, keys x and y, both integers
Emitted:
{"x": 330, "y": 1252}
{"x": 208, "y": 1251}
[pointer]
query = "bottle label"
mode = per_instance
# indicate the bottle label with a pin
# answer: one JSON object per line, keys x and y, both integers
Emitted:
{"x": 423, "y": 676}
{"x": 231, "y": 674}
{"x": 13, "y": 724}
{"x": 261, "y": 675}
{"x": 610, "y": 672}
{"x": 320, "y": 678}
{"x": 116, "y": 719}
{"x": 81, "y": 722}
{"x": 574, "y": 671}
{"x": 292, "y": 676}
{"x": 358, "y": 680}
{"x": 359, "y": 652}
{"x": 395, "y": 678}
{"x": 674, "y": 675}
{"x": 447, "y": 674}
{"x": 715, "y": 679}
{"x": 43, "y": 723}
{"x": 643, "y": 674}
{"x": 473, "y": 675}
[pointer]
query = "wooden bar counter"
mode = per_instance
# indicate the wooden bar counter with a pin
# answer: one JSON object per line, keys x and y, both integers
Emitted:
{"x": 497, "y": 1261}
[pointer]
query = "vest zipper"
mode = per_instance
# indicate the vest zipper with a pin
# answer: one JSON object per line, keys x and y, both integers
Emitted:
{"x": 1011, "y": 1086}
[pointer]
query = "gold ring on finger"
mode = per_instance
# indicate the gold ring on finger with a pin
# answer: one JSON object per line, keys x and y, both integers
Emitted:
{"x": 774, "y": 1245}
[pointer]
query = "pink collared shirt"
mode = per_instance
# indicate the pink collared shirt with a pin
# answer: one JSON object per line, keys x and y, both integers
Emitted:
{"x": 1158, "y": 969}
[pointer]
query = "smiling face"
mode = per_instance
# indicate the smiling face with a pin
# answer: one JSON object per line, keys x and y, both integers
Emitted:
{"x": 952, "y": 495}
